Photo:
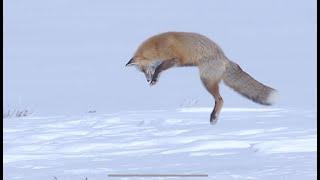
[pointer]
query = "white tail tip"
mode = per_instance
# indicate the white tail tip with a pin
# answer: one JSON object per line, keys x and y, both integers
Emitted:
{"x": 273, "y": 97}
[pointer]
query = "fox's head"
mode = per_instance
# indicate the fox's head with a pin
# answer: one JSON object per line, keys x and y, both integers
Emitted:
{"x": 150, "y": 68}
{"x": 152, "y": 57}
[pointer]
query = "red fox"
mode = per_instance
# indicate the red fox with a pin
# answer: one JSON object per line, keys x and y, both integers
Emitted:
{"x": 166, "y": 50}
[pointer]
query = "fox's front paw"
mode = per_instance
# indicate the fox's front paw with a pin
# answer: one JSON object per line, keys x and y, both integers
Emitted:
{"x": 152, "y": 83}
{"x": 154, "y": 80}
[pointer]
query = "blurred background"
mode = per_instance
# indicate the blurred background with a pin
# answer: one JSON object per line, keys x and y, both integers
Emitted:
{"x": 68, "y": 56}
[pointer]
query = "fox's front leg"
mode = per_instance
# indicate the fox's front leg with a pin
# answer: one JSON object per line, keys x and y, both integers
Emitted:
{"x": 166, "y": 64}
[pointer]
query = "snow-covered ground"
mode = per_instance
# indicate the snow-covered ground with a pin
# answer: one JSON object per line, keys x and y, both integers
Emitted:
{"x": 246, "y": 143}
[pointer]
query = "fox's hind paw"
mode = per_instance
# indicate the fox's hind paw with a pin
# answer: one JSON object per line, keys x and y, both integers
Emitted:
{"x": 213, "y": 119}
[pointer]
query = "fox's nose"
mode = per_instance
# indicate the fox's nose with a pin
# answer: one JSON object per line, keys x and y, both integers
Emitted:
{"x": 130, "y": 61}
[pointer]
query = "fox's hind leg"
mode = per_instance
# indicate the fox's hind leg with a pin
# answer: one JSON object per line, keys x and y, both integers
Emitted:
{"x": 211, "y": 75}
{"x": 214, "y": 90}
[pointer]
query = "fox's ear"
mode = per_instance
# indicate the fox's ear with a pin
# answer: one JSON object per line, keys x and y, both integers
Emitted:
{"x": 131, "y": 62}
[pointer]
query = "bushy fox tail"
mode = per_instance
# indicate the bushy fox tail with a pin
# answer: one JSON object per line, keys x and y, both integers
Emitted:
{"x": 244, "y": 84}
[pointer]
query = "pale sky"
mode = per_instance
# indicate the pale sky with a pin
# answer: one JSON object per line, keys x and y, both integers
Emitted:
{"x": 68, "y": 56}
